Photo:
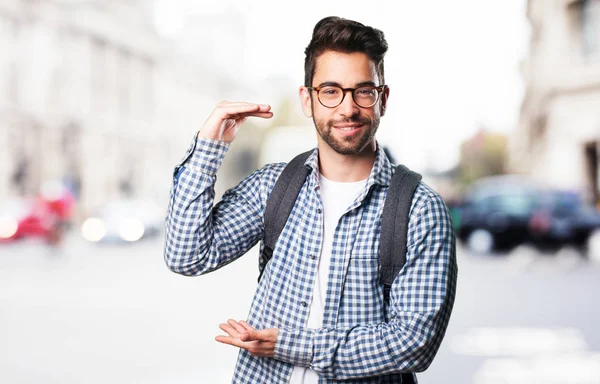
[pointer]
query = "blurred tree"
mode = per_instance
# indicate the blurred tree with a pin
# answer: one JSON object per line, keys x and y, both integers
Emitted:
{"x": 482, "y": 155}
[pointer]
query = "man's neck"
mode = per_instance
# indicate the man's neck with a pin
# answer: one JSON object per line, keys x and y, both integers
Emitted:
{"x": 346, "y": 168}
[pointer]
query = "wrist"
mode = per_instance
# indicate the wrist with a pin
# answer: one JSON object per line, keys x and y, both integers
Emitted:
{"x": 207, "y": 136}
{"x": 206, "y": 155}
{"x": 214, "y": 136}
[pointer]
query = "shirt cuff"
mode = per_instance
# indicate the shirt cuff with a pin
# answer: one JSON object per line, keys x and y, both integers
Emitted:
{"x": 205, "y": 155}
{"x": 295, "y": 346}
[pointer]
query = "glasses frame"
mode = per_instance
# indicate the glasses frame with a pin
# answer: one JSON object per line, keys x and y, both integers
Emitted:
{"x": 379, "y": 89}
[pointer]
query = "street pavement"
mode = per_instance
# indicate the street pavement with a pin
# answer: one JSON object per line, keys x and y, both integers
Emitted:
{"x": 82, "y": 313}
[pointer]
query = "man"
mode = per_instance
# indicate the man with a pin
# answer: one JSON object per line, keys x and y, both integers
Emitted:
{"x": 318, "y": 314}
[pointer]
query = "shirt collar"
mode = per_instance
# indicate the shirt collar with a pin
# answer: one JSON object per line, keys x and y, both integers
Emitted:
{"x": 381, "y": 173}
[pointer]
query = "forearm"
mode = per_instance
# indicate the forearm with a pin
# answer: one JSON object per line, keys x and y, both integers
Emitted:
{"x": 197, "y": 239}
{"x": 362, "y": 351}
{"x": 189, "y": 231}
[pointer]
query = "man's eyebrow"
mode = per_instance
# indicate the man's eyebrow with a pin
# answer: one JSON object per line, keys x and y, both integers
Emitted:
{"x": 361, "y": 84}
{"x": 372, "y": 83}
{"x": 329, "y": 83}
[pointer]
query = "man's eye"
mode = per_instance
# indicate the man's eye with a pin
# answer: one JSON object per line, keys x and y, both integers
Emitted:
{"x": 330, "y": 91}
{"x": 365, "y": 91}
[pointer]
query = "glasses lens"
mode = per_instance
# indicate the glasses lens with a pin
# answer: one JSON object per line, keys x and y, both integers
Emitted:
{"x": 365, "y": 96}
{"x": 331, "y": 96}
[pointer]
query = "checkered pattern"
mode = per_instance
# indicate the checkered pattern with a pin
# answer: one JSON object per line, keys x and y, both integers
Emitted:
{"x": 362, "y": 340}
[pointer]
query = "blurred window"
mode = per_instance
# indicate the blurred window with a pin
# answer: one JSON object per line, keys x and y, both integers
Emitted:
{"x": 483, "y": 205}
{"x": 517, "y": 204}
{"x": 148, "y": 88}
{"x": 12, "y": 69}
{"x": 13, "y": 83}
{"x": 590, "y": 28}
{"x": 566, "y": 201}
{"x": 98, "y": 75}
{"x": 124, "y": 83}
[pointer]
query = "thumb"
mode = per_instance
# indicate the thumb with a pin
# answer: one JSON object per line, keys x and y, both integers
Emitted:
{"x": 250, "y": 335}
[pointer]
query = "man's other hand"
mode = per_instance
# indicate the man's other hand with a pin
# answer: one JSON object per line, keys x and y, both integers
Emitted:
{"x": 242, "y": 335}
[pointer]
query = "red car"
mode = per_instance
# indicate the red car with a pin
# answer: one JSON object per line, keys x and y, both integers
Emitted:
{"x": 22, "y": 218}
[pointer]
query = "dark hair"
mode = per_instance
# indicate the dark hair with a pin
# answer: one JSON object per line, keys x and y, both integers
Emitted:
{"x": 347, "y": 36}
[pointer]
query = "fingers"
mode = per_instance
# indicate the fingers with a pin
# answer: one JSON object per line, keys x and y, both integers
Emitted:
{"x": 242, "y": 335}
{"x": 255, "y": 348}
{"x": 248, "y": 333}
{"x": 230, "y": 340}
{"x": 230, "y": 104}
{"x": 241, "y": 330}
{"x": 226, "y": 119}
{"x": 239, "y": 116}
{"x": 235, "y": 331}
{"x": 237, "y": 326}
{"x": 246, "y": 326}
{"x": 261, "y": 114}
{"x": 235, "y": 110}
{"x": 229, "y": 330}
{"x": 233, "y": 328}
{"x": 248, "y": 336}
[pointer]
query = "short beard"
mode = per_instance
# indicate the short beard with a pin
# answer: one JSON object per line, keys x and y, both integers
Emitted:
{"x": 325, "y": 128}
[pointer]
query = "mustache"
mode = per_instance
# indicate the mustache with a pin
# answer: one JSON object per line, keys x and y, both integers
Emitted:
{"x": 353, "y": 119}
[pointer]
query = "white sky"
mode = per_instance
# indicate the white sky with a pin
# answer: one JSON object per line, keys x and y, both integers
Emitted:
{"x": 452, "y": 66}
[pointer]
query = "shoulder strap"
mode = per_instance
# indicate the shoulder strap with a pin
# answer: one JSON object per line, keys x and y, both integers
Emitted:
{"x": 394, "y": 225}
{"x": 280, "y": 204}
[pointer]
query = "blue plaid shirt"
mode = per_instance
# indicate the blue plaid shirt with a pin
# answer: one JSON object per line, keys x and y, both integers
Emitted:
{"x": 361, "y": 341}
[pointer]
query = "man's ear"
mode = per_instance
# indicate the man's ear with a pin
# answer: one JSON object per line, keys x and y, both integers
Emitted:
{"x": 384, "y": 99}
{"x": 305, "y": 101}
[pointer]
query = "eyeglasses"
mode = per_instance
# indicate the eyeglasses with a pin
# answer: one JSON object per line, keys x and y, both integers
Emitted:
{"x": 331, "y": 96}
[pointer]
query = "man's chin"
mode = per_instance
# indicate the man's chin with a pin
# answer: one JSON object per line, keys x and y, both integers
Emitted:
{"x": 349, "y": 148}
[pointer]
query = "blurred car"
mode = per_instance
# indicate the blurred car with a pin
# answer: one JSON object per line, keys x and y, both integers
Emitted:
{"x": 495, "y": 213}
{"x": 562, "y": 217}
{"x": 124, "y": 221}
{"x": 22, "y": 218}
{"x": 59, "y": 199}
{"x": 501, "y": 212}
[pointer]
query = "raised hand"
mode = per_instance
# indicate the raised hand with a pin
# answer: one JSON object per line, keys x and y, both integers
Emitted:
{"x": 225, "y": 121}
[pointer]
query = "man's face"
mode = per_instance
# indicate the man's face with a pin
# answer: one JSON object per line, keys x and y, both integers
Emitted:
{"x": 348, "y": 129}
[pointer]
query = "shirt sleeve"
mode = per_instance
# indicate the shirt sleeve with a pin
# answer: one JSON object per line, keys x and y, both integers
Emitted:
{"x": 421, "y": 301}
{"x": 200, "y": 237}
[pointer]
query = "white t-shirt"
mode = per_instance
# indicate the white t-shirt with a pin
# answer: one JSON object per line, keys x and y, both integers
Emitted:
{"x": 336, "y": 198}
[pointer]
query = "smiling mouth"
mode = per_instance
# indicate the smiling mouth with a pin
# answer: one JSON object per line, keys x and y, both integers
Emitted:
{"x": 348, "y": 128}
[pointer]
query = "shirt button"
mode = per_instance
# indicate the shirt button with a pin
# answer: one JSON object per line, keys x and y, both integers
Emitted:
{"x": 303, "y": 303}
{"x": 313, "y": 257}
{"x": 319, "y": 210}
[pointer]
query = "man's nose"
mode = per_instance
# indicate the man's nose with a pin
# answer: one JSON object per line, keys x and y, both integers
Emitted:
{"x": 348, "y": 107}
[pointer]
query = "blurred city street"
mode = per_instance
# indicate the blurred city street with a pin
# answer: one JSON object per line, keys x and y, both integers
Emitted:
{"x": 86, "y": 313}
{"x": 99, "y": 101}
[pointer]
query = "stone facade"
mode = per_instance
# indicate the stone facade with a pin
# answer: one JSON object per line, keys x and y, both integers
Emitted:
{"x": 91, "y": 95}
{"x": 558, "y": 140}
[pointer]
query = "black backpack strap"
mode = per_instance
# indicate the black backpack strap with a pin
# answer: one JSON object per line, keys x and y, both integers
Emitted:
{"x": 280, "y": 204}
{"x": 394, "y": 225}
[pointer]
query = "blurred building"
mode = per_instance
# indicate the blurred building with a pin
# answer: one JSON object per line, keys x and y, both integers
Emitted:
{"x": 91, "y": 95}
{"x": 558, "y": 140}
{"x": 213, "y": 46}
